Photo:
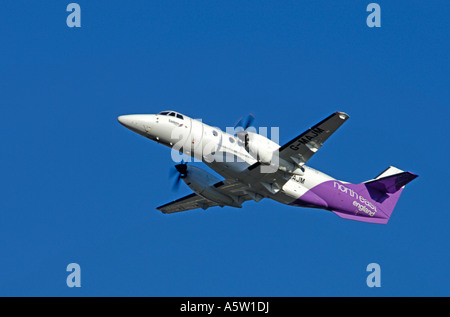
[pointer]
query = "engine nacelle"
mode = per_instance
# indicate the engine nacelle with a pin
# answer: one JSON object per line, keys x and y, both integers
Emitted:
{"x": 260, "y": 147}
{"x": 201, "y": 182}
{"x": 265, "y": 151}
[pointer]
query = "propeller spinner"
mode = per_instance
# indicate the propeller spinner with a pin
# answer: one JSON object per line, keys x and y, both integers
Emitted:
{"x": 182, "y": 172}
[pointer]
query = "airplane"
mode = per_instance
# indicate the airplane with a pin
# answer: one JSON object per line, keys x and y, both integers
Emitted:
{"x": 255, "y": 167}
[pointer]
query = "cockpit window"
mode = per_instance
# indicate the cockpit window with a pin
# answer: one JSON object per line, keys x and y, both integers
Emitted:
{"x": 172, "y": 114}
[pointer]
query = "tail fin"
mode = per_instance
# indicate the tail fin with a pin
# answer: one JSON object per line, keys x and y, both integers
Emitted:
{"x": 386, "y": 189}
{"x": 384, "y": 192}
{"x": 391, "y": 170}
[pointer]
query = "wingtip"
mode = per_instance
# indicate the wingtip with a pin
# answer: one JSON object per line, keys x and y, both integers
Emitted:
{"x": 342, "y": 115}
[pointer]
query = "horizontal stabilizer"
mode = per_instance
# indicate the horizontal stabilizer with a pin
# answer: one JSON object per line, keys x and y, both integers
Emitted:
{"x": 392, "y": 183}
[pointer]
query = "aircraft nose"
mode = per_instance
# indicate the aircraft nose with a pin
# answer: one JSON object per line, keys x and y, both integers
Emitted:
{"x": 124, "y": 120}
{"x": 132, "y": 120}
{"x": 136, "y": 122}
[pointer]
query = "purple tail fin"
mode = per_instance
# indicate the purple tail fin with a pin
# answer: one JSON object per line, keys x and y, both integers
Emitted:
{"x": 386, "y": 190}
{"x": 380, "y": 195}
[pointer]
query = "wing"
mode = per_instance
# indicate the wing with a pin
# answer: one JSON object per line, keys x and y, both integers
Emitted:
{"x": 238, "y": 191}
{"x": 300, "y": 149}
{"x": 192, "y": 201}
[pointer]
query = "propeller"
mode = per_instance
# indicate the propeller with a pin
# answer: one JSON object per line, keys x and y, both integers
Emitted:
{"x": 245, "y": 124}
{"x": 181, "y": 169}
{"x": 242, "y": 135}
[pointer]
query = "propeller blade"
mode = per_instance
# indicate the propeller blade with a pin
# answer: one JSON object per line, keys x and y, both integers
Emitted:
{"x": 176, "y": 184}
{"x": 181, "y": 171}
{"x": 172, "y": 172}
{"x": 238, "y": 123}
{"x": 248, "y": 122}
{"x": 250, "y": 119}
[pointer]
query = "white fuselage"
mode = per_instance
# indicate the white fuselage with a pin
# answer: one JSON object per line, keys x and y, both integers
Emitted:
{"x": 225, "y": 153}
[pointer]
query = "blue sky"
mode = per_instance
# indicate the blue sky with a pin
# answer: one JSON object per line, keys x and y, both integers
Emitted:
{"x": 79, "y": 187}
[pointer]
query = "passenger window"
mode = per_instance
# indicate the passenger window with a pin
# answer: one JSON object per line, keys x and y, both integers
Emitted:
{"x": 231, "y": 140}
{"x": 214, "y": 132}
